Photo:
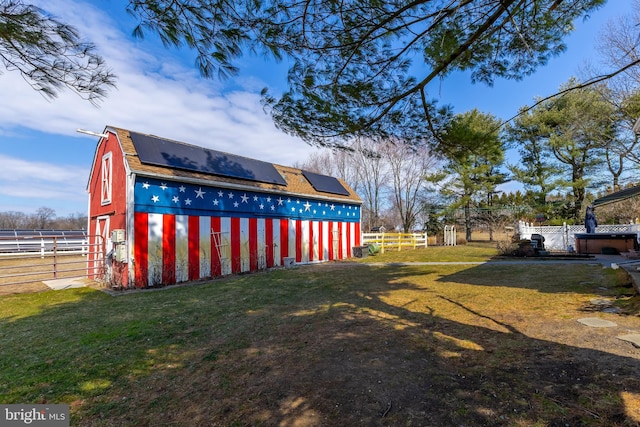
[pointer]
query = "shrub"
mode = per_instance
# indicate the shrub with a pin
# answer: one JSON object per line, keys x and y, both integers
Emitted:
{"x": 506, "y": 247}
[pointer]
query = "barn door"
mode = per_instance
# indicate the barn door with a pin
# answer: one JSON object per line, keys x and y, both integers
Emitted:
{"x": 101, "y": 245}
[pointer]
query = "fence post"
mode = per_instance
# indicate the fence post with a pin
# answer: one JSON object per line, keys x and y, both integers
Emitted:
{"x": 382, "y": 243}
{"x": 55, "y": 257}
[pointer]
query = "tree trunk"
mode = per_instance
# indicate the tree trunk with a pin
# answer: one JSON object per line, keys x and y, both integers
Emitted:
{"x": 491, "y": 229}
{"x": 467, "y": 222}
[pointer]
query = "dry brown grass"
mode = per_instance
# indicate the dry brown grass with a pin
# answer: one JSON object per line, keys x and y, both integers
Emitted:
{"x": 25, "y": 273}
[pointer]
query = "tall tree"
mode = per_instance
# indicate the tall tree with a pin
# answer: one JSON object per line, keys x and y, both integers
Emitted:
{"x": 50, "y": 54}
{"x": 336, "y": 163}
{"x": 364, "y": 168}
{"x": 577, "y": 126}
{"x": 43, "y": 217}
{"x": 372, "y": 169}
{"x": 537, "y": 172}
{"x": 13, "y": 219}
{"x": 409, "y": 166}
{"x": 618, "y": 44}
{"x": 362, "y": 67}
{"x": 388, "y": 176}
{"x": 493, "y": 178}
{"x": 622, "y": 147}
{"x": 474, "y": 152}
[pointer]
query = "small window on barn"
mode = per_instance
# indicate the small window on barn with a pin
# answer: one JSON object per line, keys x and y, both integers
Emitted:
{"x": 106, "y": 179}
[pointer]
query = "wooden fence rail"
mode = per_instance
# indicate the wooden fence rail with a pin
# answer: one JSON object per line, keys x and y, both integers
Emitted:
{"x": 395, "y": 241}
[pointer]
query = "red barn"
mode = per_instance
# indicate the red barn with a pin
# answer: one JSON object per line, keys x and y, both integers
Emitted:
{"x": 168, "y": 212}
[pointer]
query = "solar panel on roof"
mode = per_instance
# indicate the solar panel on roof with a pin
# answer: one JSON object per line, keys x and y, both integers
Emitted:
{"x": 162, "y": 152}
{"x": 325, "y": 184}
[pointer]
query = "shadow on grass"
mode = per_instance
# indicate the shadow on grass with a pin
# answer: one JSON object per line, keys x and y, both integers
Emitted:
{"x": 538, "y": 276}
{"x": 319, "y": 345}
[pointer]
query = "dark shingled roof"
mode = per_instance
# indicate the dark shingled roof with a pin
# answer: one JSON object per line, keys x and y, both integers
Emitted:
{"x": 618, "y": 196}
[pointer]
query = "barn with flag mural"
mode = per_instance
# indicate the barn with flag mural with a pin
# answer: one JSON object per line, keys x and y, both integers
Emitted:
{"x": 166, "y": 212}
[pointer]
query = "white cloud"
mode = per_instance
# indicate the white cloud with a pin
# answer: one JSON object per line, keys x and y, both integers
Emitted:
{"x": 155, "y": 94}
{"x": 14, "y": 169}
{"x": 166, "y": 98}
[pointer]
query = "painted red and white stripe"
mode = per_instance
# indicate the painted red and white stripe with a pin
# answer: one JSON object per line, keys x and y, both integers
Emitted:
{"x": 178, "y": 248}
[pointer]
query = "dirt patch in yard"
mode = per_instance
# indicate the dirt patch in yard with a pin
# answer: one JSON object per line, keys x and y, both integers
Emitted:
{"x": 25, "y": 288}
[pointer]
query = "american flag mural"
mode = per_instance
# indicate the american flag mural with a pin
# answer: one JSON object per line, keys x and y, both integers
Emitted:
{"x": 185, "y": 232}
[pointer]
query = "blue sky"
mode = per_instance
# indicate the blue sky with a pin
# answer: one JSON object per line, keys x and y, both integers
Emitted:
{"x": 45, "y": 162}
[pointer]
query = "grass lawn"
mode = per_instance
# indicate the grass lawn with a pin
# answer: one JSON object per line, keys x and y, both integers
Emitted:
{"x": 474, "y": 252}
{"x": 337, "y": 344}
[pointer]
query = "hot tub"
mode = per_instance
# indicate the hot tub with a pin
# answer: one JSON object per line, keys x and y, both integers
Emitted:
{"x": 599, "y": 243}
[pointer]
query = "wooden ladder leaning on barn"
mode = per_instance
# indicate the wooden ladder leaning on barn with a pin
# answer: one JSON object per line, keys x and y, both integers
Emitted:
{"x": 221, "y": 240}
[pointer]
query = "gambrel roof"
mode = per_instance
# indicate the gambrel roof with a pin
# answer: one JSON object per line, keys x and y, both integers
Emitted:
{"x": 154, "y": 156}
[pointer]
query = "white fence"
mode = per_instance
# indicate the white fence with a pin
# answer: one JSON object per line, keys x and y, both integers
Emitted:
{"x": 450, "y": 238}
{"x": 43, "y": 242}
{"x": 396, "y": 241}
{"x": 562, "y": 237}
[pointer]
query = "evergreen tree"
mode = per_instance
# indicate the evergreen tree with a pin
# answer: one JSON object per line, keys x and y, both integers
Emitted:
{"x": 474, "y": 151}
{"x": 537, "y": 171}
{"x": 575, "y": 127}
